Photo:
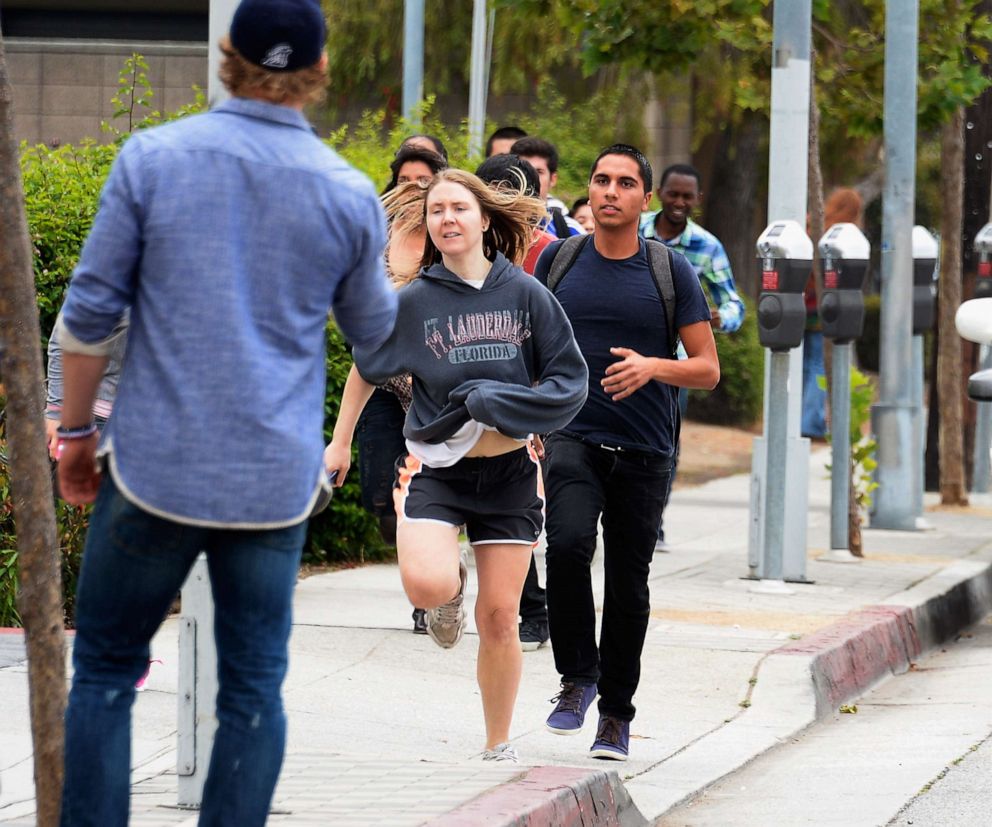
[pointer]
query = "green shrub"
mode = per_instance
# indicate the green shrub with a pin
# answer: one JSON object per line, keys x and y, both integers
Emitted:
{"x": 738, "y": 398}
{"x": 71, "y": 530}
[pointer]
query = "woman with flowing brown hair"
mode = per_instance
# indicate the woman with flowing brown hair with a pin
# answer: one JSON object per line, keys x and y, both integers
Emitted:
{"x": 493, "y": 361}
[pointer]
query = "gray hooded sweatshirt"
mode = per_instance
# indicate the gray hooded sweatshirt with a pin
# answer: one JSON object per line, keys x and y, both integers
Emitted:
{"x": 504, "y": 355}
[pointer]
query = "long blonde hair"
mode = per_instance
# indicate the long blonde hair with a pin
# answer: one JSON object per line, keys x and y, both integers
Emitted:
{"x": 512, "y": 216}
{"x": 406, "y": 212}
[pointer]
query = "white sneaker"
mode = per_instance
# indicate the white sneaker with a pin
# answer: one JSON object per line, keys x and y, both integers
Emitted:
{"x": 501, "y": 752}
{"x": 446, "y": 623}
{"x": 661, "y": 547}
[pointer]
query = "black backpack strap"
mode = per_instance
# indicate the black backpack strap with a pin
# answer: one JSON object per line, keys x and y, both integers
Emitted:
{"x": 564, "y": 258}
{"x": 558, "y": 221}
{"x": 660, "y": 263}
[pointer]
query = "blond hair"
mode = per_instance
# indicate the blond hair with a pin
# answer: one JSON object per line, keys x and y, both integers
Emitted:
{"x": 512, "y": 216}
{"x": 244, "y": 79}
{"x": 406, "y": 212}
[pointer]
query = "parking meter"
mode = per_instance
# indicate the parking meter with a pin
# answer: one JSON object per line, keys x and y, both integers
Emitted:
{"x": 845, "y": 252}
{"x": 983, "y": 246}
{"x": 973, "y": 321}
{"x": 925, "y": 252}
{"x": 785, "y": 259}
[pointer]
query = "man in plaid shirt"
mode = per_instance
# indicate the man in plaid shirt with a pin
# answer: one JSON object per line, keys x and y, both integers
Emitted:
{"x": 679, "y": 192}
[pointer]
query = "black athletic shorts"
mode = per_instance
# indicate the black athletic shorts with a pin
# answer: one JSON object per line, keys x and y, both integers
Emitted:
{"x": 498, "y": 499}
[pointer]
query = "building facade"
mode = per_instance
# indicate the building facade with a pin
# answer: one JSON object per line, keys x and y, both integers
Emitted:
{"x": 64, "y": 58}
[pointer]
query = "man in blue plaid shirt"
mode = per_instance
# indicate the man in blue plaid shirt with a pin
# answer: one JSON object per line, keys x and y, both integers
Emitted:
{"x": 679, "y": 192}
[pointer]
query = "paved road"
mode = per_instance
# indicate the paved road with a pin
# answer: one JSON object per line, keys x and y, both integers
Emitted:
{"x": 918, "y": 751}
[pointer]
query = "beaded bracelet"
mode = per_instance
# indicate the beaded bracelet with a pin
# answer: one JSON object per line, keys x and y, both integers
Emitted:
{"x": 76, "y": 433}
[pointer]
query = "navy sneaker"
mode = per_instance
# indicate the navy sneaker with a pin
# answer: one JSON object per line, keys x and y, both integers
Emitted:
{"x": 612, "y": 739}
{"x": 573, "y": 700}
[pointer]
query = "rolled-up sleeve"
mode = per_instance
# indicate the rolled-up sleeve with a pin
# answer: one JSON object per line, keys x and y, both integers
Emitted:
{"x": 365, "y": 302}
{"x": 103, "y": 283}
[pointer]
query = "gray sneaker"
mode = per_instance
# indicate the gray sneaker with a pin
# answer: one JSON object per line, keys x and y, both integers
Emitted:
{"x": 446, "y": 623}
{"x": 501, "y": 752}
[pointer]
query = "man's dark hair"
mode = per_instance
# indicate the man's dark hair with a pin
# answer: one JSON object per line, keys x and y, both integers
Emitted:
{"x": 413, "y": 153}
{"x": 438, "y": 145}
{"x": 512, "y": 170}
{"x": 579, "y": 202}
{"x": 647, "y": 177}
{"x": 537, "y": 147}
{"x": 504, "y": 133}
{"x": 681, "y": 169}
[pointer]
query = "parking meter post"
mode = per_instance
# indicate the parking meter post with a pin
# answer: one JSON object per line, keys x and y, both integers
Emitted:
{"x": 920, "y": 442}
{"x": 775, "y": 472}
{"x": 893, "y": 418}
{"x": 785, "y": 259}
{"x": 840, "y": 447}
{"x": 981, "y": 473}
{"x": 846, "y": 254}
{"x": 787, "y": 199}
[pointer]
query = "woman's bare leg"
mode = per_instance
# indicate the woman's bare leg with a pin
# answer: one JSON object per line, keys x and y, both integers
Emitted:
{"x": 502, "y": 569}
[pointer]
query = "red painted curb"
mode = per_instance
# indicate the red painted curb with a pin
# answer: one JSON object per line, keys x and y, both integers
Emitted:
{"x": 560, "y": 796}
{"x": 851, "y": 655}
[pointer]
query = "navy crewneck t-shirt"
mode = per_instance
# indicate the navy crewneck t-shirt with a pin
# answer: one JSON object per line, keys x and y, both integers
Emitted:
{"x": 615, "y": 303}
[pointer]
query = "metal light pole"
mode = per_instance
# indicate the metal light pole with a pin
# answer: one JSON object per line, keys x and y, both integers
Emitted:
{"x": 413, "y": 59}
{"x": 895, "y": 417}
{"x": 780, "y": 464}
{"x": 197, "y": 689}
{"x": 478, "y": 79}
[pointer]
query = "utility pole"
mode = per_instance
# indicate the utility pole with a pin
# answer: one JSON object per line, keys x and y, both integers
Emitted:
{"x": 197, "y": 690}
{"x": 413, "y": 59}
{"x": 895, "y": 419}
{"x": 478, "y": 79}
{"x": 780, "y": 465}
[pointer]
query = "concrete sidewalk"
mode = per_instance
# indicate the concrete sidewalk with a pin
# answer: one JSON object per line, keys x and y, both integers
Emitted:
{"x": 386, "y": 728}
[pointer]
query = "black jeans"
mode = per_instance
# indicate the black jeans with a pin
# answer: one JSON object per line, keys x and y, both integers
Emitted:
{"x": 683, "y": 404}
{"x": 628, "y": 489}
{"x": 532, "y": 598}
{"x": 380, "y": 443}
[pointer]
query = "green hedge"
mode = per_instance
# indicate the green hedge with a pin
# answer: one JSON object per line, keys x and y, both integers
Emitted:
{"x": 738, "y": 398}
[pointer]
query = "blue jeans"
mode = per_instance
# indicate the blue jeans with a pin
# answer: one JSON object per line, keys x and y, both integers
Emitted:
{"x": 628, "y": 489}
{"x": 814, "y": 418}
{"x": 134, "y": 564}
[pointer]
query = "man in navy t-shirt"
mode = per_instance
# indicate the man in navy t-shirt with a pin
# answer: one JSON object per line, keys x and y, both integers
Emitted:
{"x": 614, "y": 459}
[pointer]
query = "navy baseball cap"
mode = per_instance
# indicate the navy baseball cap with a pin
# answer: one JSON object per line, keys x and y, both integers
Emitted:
{"x": 279, "y": 35}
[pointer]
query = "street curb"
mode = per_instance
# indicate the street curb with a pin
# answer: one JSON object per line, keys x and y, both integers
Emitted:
{"x": 550, "y": 796}
{"x": 803, "y": 682}
{"x": 852, "y": 655}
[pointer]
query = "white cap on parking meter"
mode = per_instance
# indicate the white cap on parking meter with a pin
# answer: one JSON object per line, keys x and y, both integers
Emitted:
{"x": 845, "y": 241}
{"x": 925, "y": 244}
{"x": 973, "y": 321}
{"x": 785, "y": 239}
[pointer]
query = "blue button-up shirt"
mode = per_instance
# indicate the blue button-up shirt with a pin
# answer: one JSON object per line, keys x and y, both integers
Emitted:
{"x": 229, "y": 235}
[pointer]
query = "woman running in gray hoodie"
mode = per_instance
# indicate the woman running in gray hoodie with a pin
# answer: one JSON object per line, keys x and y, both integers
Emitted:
{"x": 493, "y": 362}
